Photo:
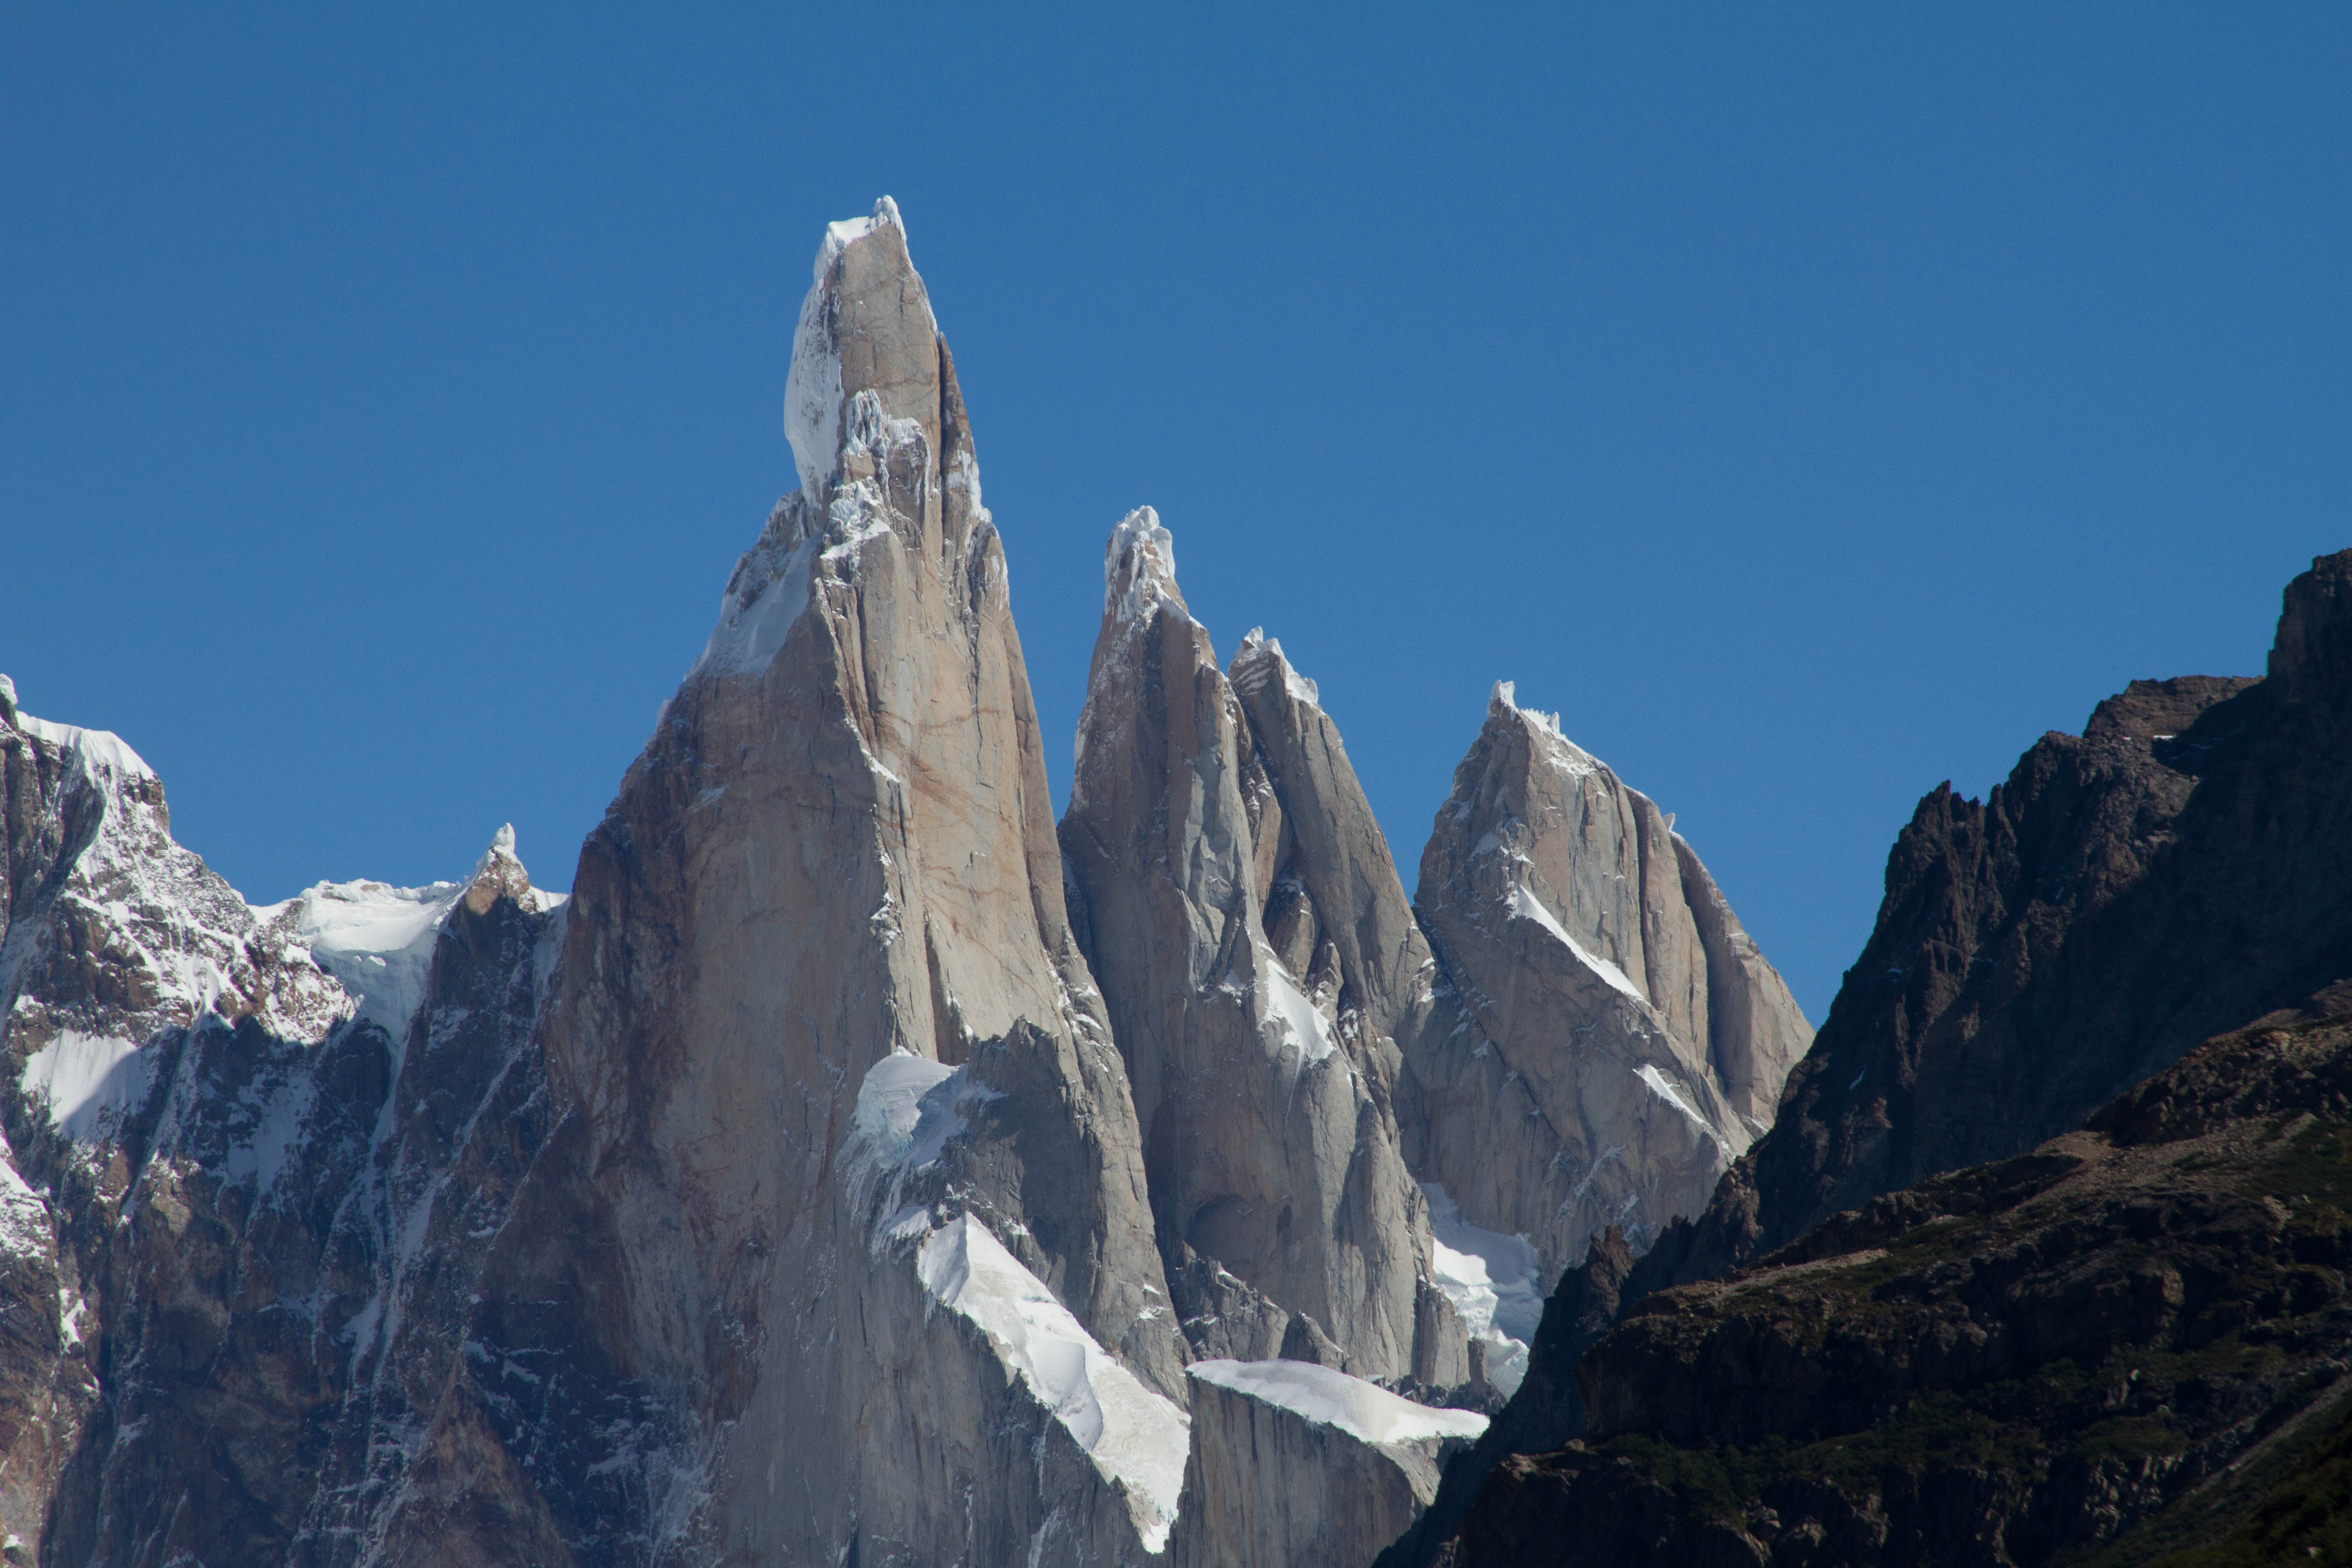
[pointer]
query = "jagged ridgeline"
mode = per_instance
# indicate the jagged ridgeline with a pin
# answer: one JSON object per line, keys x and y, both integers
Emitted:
{"x": 2125, "y": 1343}
{"x": 858, "y": 1166}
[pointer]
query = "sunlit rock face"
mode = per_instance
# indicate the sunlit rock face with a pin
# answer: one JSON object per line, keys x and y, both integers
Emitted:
{"x": 855, "y": 1167}
{"x": 841, "y": 1223}
{"x": 1262, "y": 1056}
{"x": 1606, "y": 1039}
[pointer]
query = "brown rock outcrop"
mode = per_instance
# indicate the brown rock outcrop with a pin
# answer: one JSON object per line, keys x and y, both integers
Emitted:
{"x": 2179, "y": 870}
{"x": 2083, "y": 1347}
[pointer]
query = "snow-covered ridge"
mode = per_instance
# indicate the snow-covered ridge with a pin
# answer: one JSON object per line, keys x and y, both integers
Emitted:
{"x": 1138, "y": 1440}
{"x": 1330, "y": 1397}
{"x": 167, "y": 916}
{"x": 97, "y": 748}
{"x": 1545, "y": 729}
{"x": 375, "y": 939}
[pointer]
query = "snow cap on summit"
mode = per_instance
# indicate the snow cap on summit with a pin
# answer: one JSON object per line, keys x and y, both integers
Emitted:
{"x": 839, "y": 237}
{"x": 497, "y": 873}
{"x": 1139, "y": 567}
{"x": 814, "y": 391}
{"x": 1505, "y": 698}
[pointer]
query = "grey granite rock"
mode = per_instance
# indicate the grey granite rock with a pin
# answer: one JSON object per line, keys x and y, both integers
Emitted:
{"x": 820, "y": 1013}
{"x": 1295, "y": 1464}
{"x": 1603, "y": 1038}
{"x": 1250, "y": 1019}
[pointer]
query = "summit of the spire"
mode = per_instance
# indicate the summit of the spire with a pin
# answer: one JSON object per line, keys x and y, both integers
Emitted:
{"x": 499, "y": 873}
{"x": 1260, "y": 658}
{"x": 864, "y": 325}
{"x": 839, "y": 237}
{"x": 1139, "y": 567}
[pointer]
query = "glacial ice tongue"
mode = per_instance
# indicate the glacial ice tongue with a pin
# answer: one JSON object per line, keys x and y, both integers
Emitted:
{"x": 1327, "y": 1395}
{"x": 1133, "y": 1436}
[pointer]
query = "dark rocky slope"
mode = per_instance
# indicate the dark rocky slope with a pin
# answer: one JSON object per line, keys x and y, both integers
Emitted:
{"x": 2021, "y": 1362}
{"x": 2181, "y": 869}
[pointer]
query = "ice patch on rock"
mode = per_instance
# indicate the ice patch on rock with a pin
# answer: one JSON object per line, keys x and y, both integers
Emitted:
{"x": 376, "y": 939}
{"x": 1525, "y": 906}
{"x": 890, "y": 1103}
{"x": 1139, "y": 568}
{"x": 1659, "y": 1086}
{"x": 1138, "y": 1440}
{"x": 763, "y": 602}
{"x": 813, "y": 386}
{"x": 89, "y": 1082}
{"x": 1330, "y": 1397}
{"x": 1300, "y": 1021}
{"x": 1495, "y": 1281}
{"x": 1257, "y": 659}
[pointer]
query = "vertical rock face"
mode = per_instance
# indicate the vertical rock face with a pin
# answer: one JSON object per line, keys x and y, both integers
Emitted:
{"x": 791, "y": 1192}
{"x": 1297, "y": 1464}
{"x": 1252, "y": 987}
{"x": 1602, "y": 1015}
{"x": 840, "y": 1228}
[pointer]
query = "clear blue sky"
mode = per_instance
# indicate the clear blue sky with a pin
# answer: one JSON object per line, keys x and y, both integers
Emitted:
{"x": 1811, "y": 403}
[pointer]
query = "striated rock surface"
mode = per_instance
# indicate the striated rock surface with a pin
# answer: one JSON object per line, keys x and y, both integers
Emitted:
{"x": 1604, "y": 1038}
{"x": 1253, "y": 985}
{"x": 1300, "y": 1463}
